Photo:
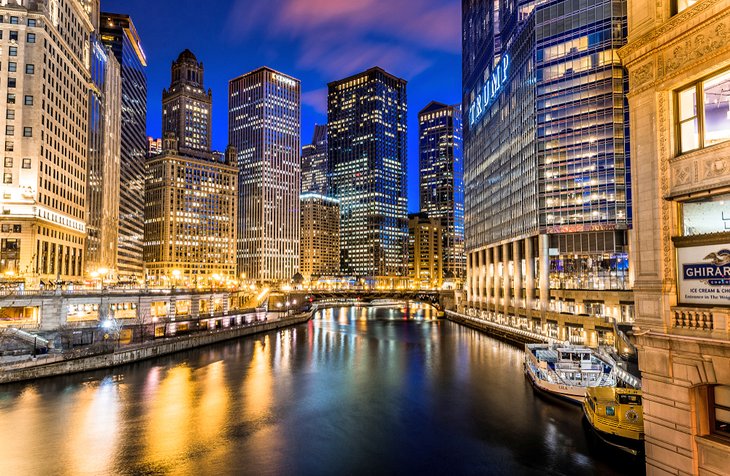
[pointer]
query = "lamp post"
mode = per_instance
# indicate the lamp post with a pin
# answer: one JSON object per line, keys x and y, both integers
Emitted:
{"x": 175, "y": 276}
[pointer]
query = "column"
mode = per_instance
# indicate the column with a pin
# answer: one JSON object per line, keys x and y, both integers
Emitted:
{"x": 529, "y": 273}
{"x": 517, "y": 280}
{"x": 544, "y": 269}
{"x": 480, "y": 280}
{"x": 497, "y": 278}
{"x": 469, "y": 284}
{"x": 488, "y": 278}
{"x": 506, "y": 281}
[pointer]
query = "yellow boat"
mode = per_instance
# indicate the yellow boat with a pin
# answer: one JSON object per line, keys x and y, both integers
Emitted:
{"x": 616, "y": 415}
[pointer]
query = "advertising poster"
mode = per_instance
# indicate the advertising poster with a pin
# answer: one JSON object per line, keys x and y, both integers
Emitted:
{"x": 704, "y": 274}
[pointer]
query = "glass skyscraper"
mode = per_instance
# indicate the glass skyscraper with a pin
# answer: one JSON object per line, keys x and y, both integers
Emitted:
{"x": 547, "y": 186}
{"x": 367, "y": 172}
{"x": 441, "y": 164}
{"x": 264, "y": 126}
{"x": 314, "y": 163}
{"x": 119, "y": 34}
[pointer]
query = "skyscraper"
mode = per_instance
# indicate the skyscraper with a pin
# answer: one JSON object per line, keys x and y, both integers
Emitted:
{"x": 441, "y": 163}
{"x": 186, "y": 107}
{"x": 547, "y": 194}
{"x": 44, "y": 84}
{"x": 367, "y": 171}
{"x": 264, "y": 126}
{"x": 103, "y": 175}
{"x": 119, "y": 34}
{"x": 314, "y": 163}
{"x": 320, "y": 236}
{"x": 425, "y": 251}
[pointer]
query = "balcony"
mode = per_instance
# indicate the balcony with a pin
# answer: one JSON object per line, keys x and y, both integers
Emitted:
{"x": 701, "y": 319}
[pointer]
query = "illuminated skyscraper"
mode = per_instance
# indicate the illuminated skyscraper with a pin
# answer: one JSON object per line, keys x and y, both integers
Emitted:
{"x": 320, "y": 236}
{"x": 264, "y": 126}
{"x": 314, "y": 163}
{"x": 441, "y": 164}
{"x": 425, "y": 251}
{"x": 186, "y": 106}
{"x": 546, "y": 169}
{"x": 367, "y": 171}
{"x": 44, "y": 84}
{"x": 117, "y": 32}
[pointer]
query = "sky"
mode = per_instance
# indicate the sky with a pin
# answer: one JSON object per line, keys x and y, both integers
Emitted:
{"x": 316, "y": 41}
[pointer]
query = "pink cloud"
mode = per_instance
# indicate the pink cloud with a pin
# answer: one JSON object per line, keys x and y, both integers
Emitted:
{"x": 316, "y": 99}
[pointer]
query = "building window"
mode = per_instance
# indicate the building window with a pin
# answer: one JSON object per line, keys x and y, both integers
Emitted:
{"x": 13, "y": 20}
{"x": 720, "y": 410}
{"x": 11, "y": 82}
{"x": 29, "y": 69}
{"x": 8, "y": 161}
{"x": 12, "y": 66}
{"x": 17, "y": 228}
{"x": 10, "y": 114}
{"x": 704, "y": 113}
{"x": 7, "y": 178}
{"x": 31, "y": 22}
{"x": 9, "y": 146}
{"x": 13, "y": 51}
{"x": 30, "y": 38}
{"x": 28, "y": 101}
{"x": 27, "y": 132}
{"x": 26, "y": 163}
{"x": 13, "y": 35}
{"x": 681, "y": 5}
{"x": 11, "y": 98}
{"x": 9, "y": 130}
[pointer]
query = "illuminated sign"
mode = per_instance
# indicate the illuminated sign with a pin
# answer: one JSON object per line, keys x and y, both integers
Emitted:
{"x": 283, "y": 79}
{"x": 704, "y": 274}
{"x": 489, "y": 91}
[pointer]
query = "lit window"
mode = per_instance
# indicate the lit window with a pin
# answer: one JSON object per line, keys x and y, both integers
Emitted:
{"x": 704, "y": 113}
{"x": 720, "y": 410}
{"x": 26, "y": 163}
{"x": 681, "y": 5}
{"x": 7, "y": 178}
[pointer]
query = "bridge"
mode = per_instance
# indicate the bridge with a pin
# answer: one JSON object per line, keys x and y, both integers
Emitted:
{"x": 440, "y": 299}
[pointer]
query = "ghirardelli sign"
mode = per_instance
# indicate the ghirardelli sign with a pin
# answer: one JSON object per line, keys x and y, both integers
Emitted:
{"x": 704, "y": 274}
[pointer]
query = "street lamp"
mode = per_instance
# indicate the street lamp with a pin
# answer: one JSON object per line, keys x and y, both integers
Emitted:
{"x": 175, "y": 276}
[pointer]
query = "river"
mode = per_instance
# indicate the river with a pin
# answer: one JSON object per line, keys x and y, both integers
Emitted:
{"x": 355, "y": 391}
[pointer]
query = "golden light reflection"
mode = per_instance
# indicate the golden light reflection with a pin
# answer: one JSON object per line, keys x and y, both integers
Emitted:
{"x": 257, "y": 387}
{"x": 168, "y": 431}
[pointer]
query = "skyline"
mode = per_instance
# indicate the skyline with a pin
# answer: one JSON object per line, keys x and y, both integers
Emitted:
{"x": 424, "y": 49}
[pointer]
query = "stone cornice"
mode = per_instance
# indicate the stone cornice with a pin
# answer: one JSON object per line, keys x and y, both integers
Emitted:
{"x": 628, "y": 53}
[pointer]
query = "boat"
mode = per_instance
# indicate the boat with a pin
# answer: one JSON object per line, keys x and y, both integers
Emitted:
{"x": 617, "y": 417}
{"x": 565, "y": 371}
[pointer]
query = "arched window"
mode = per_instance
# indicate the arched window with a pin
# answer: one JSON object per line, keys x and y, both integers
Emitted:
{"x": 720, "y": 410}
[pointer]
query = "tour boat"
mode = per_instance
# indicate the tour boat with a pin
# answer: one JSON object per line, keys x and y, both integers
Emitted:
{"x": 616, "y": 415}
{"x": 566, "y": 370}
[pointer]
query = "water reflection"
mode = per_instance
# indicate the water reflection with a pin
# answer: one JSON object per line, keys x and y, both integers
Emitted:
{"x": 364, "y": 390}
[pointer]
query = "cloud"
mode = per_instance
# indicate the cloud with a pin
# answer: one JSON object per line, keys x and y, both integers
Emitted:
{"x": 316, "y": 99}
{"x": 341, "y": 37}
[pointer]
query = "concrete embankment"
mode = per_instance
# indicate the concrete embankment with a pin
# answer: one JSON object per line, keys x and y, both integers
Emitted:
{"x": 63, "y": 364}
{"x": 509, "y": 334}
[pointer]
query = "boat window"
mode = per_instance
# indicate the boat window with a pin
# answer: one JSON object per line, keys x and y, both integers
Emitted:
{"x": 629, "y": 399}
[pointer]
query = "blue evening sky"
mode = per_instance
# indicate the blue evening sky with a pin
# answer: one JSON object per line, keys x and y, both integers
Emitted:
{"x": 316, "y": 41}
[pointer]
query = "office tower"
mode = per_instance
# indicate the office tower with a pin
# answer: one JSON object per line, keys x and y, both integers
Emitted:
{"x": 425, "y": 251}
{"x": 367, "y": 172}
{"x": 546, "y": 165}
{"x": 314, "y": 163}
{"x": 680, "y": 139}
{"x": 45, "y": 120}
{"x": 154, "y": 147}
{"x": 119, "y": 34}
{"x": 186, "y": 107}
{"x": 441, "y": 163}
{"x": 264, "y": 126}
{"x": 103, "y": 174}
{"x": 320, "y": 237}
{"x": 190, "y": 218}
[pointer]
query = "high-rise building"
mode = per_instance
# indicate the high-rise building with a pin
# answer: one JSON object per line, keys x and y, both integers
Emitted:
{"x": 441, "y": 163}
{"x": 44, "y": 115}
{"x": 119, "y": 34}
{"x": 367, "y": 151}
{"x": 425, "y": 251}
{"x": 314, "y": 163}
{"x": 264, "y": 126}
{"x": 190, "y": 217}
{"x": 677, "y": 58}
{"x": 186, "y": 107}
{"x": 320, "y": 236}
{"x": 546, "y": 164}
{"x": 103, "y": 174}
{"x": 154, "y": 147}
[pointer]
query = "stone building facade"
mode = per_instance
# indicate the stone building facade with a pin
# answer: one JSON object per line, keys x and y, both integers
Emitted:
{"x": 678, "y": 59}
{"x": 320, "y": 236}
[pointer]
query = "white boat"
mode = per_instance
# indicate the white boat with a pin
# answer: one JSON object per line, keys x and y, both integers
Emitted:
{"x": 566, "y": 370}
